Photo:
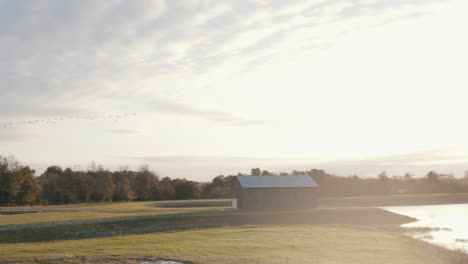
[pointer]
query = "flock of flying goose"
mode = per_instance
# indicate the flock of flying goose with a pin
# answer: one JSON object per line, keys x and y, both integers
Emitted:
{"x": 58, "y": 119}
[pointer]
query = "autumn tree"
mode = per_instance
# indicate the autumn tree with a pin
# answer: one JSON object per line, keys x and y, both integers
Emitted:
{"x": 145, "y": 185}
{"x": 104, "y": 186}
{"x": 18, "y": 186}
{"x": 123, "y": 189}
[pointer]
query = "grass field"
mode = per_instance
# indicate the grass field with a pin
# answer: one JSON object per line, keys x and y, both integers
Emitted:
{"x": 204, "y": 231}
{"x": 189, "y": 221}
{"x": 105, "y": 212}
{"x": 280, "y": 244}
{"x": 50, "y": 214}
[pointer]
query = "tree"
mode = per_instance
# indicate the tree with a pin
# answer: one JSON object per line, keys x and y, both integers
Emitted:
{"x": 318, "y": 175}
{"x": 220, "y": 187}
{"x": 54, "y": 170}
{"x": 18, "y": 186}
{"x": 383, "y": 176}
{"x": 185, "y": 189}
{"x": 295, "y": 172}
{"x": 48, "y": 180}
{"x": 255, "y": 172}
{"x": 166, "y": 188}
{"x": 30, "y": 187}
{"x": 145, "y": 185}
{"x": 104, "y": 186}
{"x": 75, "y": 187}
{"x": 433, "y": 175}
{"x": 266, "y": 173}
{"x": 218, "y": 181}
{"x": 123, "y": 190}
{"x": 408, "y": 176}
{"x": 384, "y": 183}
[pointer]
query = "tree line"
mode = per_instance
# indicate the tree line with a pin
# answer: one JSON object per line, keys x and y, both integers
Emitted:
{"x": 20, "y": 186}
{"x": 339, "y": 186}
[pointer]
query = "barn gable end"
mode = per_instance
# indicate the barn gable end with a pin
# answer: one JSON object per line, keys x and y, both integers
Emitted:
{"x": 276, "y": 192}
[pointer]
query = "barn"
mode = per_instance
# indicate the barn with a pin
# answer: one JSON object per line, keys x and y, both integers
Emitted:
{"x": 276, "y": 192}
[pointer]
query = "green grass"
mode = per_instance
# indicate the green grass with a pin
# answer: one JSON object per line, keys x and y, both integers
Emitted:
{"x": 280, "y": 244}
{"x": 97, "y": 212}
{"x": 192, "y": 231}
{"x": 186, "y": 221}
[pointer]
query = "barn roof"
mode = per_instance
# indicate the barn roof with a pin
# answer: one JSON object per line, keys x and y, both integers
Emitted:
{"x": 292, "y": 181}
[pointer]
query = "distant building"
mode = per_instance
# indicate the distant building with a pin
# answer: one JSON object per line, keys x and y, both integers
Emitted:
{"x": 276, "y": 192}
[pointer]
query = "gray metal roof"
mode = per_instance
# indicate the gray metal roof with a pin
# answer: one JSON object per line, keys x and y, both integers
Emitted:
{"x": 293, "y": 181}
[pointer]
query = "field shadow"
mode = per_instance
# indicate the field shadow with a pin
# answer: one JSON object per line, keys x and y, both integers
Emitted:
{"x": 170, "y": 223}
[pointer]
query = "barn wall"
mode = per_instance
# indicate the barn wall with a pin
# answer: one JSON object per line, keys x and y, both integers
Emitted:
{"x": 277, "y": 198}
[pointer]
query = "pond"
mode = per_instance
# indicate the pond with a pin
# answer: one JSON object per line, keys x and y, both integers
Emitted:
{"x": 448, "y": 223}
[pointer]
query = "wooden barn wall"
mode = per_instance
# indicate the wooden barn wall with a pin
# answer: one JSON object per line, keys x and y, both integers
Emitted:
{"x": 277, "y": 198}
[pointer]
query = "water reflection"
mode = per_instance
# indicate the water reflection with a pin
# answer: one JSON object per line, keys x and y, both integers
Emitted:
{"x": 449, "y": 224}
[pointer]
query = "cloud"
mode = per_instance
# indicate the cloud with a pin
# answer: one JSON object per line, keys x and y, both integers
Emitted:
{"x": 8, "y": 135}
{"x": 191, "y": 59}
{"x": 423, "y": 157}
{"x": 18, "y": 110}
{"x": 202, "y": 167}
{"x": 215, "y": 116}
{"x": 26, "y": 96}
{"x": 200, "y": 159}
{"x": 123, "y": 131}
{"x": 416, "y": 163}
{"x": 59, "y": 55}
{"x": 448, "y": 160}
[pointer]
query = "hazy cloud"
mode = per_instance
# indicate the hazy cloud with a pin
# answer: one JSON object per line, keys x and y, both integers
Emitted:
{"x": 203, "y": 167}
{"x": 123, "y": 131}
{"x": 18, "y": 110}
{"x": 59, "y": 54}
{"x": 448, "y": 160}
{"x": 73, "y": 58}
{"x": 11, "y": 135}
{"x": 206, "y": 114}
{"x": 200, "y": 159}
{"x": 417, "y": 163}
{"x": 420, "y": 157}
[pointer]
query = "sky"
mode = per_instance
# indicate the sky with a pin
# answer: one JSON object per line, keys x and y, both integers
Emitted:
{"x": 196, "y": 89}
